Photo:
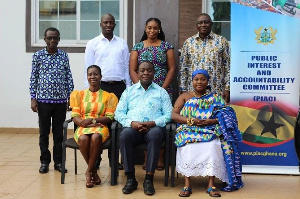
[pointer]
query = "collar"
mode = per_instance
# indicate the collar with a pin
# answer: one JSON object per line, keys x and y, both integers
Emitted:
{"x": 46, "y": 51}
{"x": 102, "y": 37}
{"x": 211, "y": 35}
{"x": 139, "y": 85}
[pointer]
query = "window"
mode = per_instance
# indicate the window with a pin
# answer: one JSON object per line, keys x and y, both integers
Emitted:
{"x": 219, "y": 10}
{"x": 77, "y": 20}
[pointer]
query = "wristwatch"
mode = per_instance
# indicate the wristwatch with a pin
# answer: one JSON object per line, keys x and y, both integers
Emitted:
{"x": 94, "y": 121}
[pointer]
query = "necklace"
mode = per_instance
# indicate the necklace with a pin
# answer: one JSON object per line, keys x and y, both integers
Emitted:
{"x": 194, "y": 93}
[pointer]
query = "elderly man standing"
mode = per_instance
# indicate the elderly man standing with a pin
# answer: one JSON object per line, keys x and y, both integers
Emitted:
{"x": 143, "y": 110}
{"x": 50, "y": 86}
{"x": 209, "y": 51}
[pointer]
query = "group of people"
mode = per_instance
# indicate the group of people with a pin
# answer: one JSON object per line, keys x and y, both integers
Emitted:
{"x": 135, "y": 90}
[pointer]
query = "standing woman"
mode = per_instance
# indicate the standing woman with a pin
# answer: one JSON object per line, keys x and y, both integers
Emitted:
{"x": 92, "y": 110}
{"x": 153, "y": 48}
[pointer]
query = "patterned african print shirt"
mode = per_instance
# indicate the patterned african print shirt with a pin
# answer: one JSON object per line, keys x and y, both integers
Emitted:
{"x": 157, "y": 55}
{"x": 211, "y": 54}
{"x": 138, "y": 104}
{"x": 51, "y": 79}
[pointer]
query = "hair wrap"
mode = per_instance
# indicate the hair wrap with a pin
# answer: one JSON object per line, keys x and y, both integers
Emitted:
{"x": 200, "y": 71}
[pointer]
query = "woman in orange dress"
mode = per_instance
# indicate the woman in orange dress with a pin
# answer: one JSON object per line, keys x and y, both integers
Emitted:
{"x": 92, "y": 110}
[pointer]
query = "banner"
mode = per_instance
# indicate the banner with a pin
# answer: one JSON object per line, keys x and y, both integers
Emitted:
{"x": 265, "y": 62}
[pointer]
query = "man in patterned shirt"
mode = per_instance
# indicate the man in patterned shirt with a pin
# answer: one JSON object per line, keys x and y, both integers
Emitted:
{"x": 209, "y": 51}
{"x": 143, "y": 110}
{"x": 50, "y": 86}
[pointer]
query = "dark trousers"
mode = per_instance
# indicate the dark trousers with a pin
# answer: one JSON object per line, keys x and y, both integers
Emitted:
{"x": 56, "y": 113}
{"x": 117, "y": 89}
{"x": 129, "y": 138}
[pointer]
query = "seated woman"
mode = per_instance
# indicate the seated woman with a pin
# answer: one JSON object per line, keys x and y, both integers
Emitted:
{"x": 205, "y": 145}
{"x": 92, "y": 110}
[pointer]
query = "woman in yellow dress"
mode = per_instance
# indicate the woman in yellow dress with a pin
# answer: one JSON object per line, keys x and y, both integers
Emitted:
{"x": 92, "y": 110}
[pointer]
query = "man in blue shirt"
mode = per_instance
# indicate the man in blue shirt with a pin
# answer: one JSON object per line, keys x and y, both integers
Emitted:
{"x": 143, "y": 110}
{"x": 50, "y": 86}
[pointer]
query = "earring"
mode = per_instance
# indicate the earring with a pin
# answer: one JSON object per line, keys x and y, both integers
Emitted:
{"x": 158, "y": 31}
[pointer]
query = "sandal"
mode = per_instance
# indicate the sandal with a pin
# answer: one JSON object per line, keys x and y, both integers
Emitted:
{"x": 185, "y": 192}
{"x": 89, "y": 179}
{"x": 212, "y": 191}
{"x": 96, "y": 178}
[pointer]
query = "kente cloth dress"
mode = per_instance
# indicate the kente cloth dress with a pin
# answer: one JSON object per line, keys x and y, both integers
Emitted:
{"x": 87, "y": 104}
{"x": 157, "y": 55}
{"x": 199, "y": 151}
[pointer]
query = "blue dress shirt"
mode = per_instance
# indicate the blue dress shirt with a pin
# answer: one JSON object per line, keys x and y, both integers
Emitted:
{"x": 138, "y": 104}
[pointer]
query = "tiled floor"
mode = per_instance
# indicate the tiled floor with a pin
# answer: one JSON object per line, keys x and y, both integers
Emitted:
{"x": 19, "y": 178}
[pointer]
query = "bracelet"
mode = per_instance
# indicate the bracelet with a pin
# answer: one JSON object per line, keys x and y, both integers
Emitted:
{"x": 190, "y": 121}
{"x": 217, "y": 120}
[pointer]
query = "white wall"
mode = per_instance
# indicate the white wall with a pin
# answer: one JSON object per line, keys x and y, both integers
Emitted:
{"x": 15, "y": 68}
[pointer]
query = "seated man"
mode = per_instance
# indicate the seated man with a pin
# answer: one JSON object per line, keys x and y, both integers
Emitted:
{"x": 143, "y": 110}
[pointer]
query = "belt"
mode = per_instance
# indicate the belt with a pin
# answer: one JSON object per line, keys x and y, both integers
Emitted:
{"x": 113, "y": 82}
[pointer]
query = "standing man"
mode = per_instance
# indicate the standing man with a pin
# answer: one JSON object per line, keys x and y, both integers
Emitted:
{"x": 143, "y": 110}
{"x": 209, "y": 51}
{"x": 50, "y": 86}
{"x": 111, "y": 54}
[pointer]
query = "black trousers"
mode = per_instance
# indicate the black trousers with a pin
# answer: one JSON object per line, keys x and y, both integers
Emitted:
{"x": 117, "y": 89}
{"x": 55, "y": 114}
{"x": 129, "y": 138}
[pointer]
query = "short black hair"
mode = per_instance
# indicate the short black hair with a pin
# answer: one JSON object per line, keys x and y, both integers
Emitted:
{"x": 145, "y": 62}
{"x": 52, "y": 29}
{"x": 161, "y": 34}
{"x": 204, "y": 14}
{"x": 108, "y": 15}
{"x": 94, "y": 66}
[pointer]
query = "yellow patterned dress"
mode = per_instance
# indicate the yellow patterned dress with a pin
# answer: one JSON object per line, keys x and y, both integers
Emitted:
{"x": 87, "y": 104}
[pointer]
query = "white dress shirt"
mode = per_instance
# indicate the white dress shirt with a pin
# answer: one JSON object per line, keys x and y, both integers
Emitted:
{"x": 111, "y": 56}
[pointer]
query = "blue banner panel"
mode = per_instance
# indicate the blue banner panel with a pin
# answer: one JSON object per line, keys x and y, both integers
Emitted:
{"x": 264, "y": 82}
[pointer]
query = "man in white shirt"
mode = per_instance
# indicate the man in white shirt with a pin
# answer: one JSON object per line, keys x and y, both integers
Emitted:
{"x": 111, "y": 54}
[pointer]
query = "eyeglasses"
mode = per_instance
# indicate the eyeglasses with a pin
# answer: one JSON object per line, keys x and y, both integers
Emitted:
{"x": 54, "y": 38}
{"x": 203, "y": 22}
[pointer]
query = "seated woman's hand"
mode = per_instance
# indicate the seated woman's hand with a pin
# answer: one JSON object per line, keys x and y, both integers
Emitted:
{"x": 205, "y": 122}
{"x": 95, "y": 125}
{"x": 86, "y": 122}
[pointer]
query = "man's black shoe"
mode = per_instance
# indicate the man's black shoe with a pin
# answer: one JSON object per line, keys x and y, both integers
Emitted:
{"x": 130, "y": 186}
{"x": 58, "y": 167}
{"x": 44, "y": 168}
{"x": 120, "y": 166}
{"x": 148, "y": 187}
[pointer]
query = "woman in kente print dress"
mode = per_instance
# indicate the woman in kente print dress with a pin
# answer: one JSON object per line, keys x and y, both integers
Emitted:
{"x": 92, "y": 110}
{"x": 206, "y": 146}
{"x": 153, "y": 48}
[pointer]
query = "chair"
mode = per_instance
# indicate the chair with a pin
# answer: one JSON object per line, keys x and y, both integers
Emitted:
{"x": 143, "y": 147}
{"x": 70, "y": 143}
{"x": 173, "y": 154}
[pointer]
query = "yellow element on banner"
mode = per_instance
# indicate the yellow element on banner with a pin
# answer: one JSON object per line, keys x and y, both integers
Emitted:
{"x": 262, "y": 123}
{"x": 265, "y": 36}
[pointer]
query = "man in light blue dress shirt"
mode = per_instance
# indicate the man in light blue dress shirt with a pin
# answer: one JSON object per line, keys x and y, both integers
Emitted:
{"x": 143, "y": 110}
